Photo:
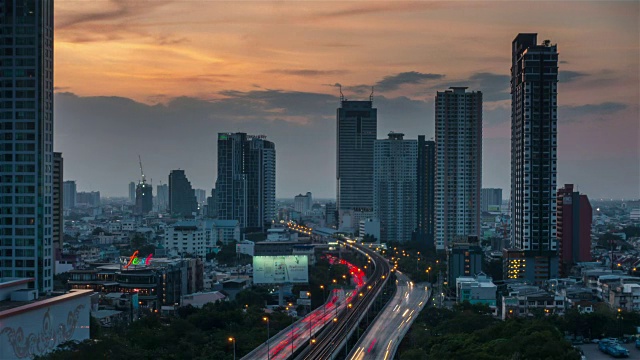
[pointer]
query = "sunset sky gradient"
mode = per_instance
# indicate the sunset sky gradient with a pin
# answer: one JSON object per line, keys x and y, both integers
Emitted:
{"x": 161, "y": 78}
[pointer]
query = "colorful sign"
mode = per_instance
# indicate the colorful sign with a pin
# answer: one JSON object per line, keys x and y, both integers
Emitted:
{"x": 135, "y": 260}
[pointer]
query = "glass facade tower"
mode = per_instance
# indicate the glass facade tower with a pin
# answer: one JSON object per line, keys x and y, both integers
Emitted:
{"x": 26, "y": 146}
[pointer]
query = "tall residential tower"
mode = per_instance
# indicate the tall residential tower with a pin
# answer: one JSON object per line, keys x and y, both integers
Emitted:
{"x": 534, "y": 119}
{"x": 246, "y": 184}
{"x": 26, "y": 130}
{"x": 458, "y": 165}
{"x": 425, "y": 229}
{"x": 394, "y": 187}
{"x": 357, "y": 126}
{"x": 182, "y": 198}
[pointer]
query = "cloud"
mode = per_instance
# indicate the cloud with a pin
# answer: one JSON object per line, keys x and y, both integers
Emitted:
{"x": 580, "y": 113}
{"x": 566, "y": 76}
{"x": 307, "y": 72}
{"x": 393, "y": 82}
{"x": 120, "y": 10}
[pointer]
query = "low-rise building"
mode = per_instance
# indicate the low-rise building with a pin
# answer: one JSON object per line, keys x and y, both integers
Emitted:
{"x": 479, "y": 289}
{"x": 33, "y": 327}
{"x": 526, "y": 300}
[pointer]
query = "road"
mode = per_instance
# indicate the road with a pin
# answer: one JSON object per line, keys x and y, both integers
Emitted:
{"x": 283, "y": 344}
{"x": 383, "y": 336}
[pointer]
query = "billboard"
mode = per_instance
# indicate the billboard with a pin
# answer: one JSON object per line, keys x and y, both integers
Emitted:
{"x": 281, "y": 269}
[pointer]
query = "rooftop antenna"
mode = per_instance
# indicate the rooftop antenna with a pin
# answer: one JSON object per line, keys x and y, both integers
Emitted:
{"x": 371, "y": 96}
{"x": 341, "y": 94}
{"x": 141, "y": 172}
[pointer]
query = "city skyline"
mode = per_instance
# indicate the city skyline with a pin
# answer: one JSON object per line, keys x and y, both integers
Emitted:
{"x": 257, "y": 69}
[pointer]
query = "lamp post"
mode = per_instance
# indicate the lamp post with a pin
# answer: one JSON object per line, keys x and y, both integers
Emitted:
{"x": 324, "y": 305}
{"x": 268, "y": 337}
{"x": 233, "y": 340}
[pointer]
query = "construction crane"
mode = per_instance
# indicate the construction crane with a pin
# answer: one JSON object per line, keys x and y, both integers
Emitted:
{"x": 143, "y": 181}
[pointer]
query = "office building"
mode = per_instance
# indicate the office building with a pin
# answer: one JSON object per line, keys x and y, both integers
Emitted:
{"x": 88, "y": 199}
{"x": 246, "y": 184}
{"x": 574, "y": 214}
{"x": 330, "y": 214}
{"x": 69, "y": 192}
{"x": 302, "y": 203}
{"x": 26, "y": 130}
{"x": 144, "y": 199}
{"x": 201, "y": 196}
{"x": 534, "y": 77}
{"x": 491, "y": 200}
{"x": 212, "y": 205}
{"x": 132, "y": 192}
{"x": 463, "y": 259}
{"x": 182, "y": 198}
{"x": 458, "y": 164}
{"x": 394, "y": 187}
{"x": 425, "y": 230}
{"x": 357, "y": 126}
{"x": 58, "y": 198}
{"x": 162, "y": 197}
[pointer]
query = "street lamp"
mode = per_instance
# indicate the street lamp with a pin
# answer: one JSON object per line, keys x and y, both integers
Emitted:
{"x": 268, "y": 337}
{"x": 324, "y": 305}
{"x": 233, "y": 340}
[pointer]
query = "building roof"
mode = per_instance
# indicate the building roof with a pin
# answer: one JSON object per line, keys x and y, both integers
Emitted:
{"x": 22, "y": 307}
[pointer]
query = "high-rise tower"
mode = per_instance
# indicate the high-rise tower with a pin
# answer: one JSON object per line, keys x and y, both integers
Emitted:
{"x": 574, "y": 228}
{"x": 458, "y": 165}
{"x": 394, "y": 187}
{"x": 534, "y": 77}
{"x": 357, "y": 126}
{"x": 182, "y": 198}
{"x": 26, "y": 130}
{"x": 246, "y": 184}
{"x": 426, "y": 191}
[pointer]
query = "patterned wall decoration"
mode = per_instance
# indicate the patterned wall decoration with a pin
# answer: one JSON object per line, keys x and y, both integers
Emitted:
{"x": 50, "y": 335}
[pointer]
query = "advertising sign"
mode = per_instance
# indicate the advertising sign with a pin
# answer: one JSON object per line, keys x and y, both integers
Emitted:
{"x": 281, "y": 269}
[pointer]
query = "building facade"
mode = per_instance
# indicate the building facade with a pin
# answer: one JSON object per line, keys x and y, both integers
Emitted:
{"x": 246, "y": 183}
{"x": 574, "y": 216}
{"x": 302, "y": 203}
{"x": 69, "y": 192}
{"x": 394, "y": 187}
{"x": 534, "y": 77}
{"x": 132, "y": 192}
{"x": 458, "y": 164}
{"x": 26, "y": 152}
{"x": 144, "y": 199}
{"x": 425, "y": 230}
{"x": 357, "y": 126}
{"x": 463, "y": 260}
{"x": 491, "y": 200}
{"x": 182, "y": 198}
{"x": 58, "y": 198}
{"x": 162, "y": 197}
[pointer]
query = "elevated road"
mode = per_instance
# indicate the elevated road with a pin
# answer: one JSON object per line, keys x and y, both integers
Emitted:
{"x": 336, "y": 334}
{"x": 381, "y": 340}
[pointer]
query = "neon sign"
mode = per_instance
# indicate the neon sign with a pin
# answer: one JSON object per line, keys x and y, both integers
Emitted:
{"x": 135, "y": 260}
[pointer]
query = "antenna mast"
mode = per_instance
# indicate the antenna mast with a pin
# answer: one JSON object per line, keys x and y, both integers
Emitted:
{"x": 341, "y": 95}
{"x": 371, "y": 96}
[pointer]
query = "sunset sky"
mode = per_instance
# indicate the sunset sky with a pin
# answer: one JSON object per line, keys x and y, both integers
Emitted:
{"x": 162, "y": 78}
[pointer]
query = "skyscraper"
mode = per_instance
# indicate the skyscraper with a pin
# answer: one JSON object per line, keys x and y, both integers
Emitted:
{"x": 69, "y": 192}
{"x": 144, "y": 198}
{"x": 162, "y": 197}
{"x": 357, "y": 126}
{"x": 246, "y": 184}
{"x": 182, "y": 198}
{"x": 491, "y": 200}
{"x": 574, "y": 228}
{"x": 58, "y": 199}
{"x": 394, "y": 187}
{"x": 26, "y": 130}
{"x": 534, "y": 77}
{"x": 132, "y": 192}
{"x": 426, "y": 191}
{"x": 458, "y": 165}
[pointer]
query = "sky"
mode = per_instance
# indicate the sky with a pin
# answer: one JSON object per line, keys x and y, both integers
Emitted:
{"x": 160, "y": 79}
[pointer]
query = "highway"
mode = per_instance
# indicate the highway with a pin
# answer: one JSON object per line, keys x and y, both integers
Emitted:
{"x": 330, "y": 340}
{"x": 283, "y": 344}
{"x": 382, "y": 338}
